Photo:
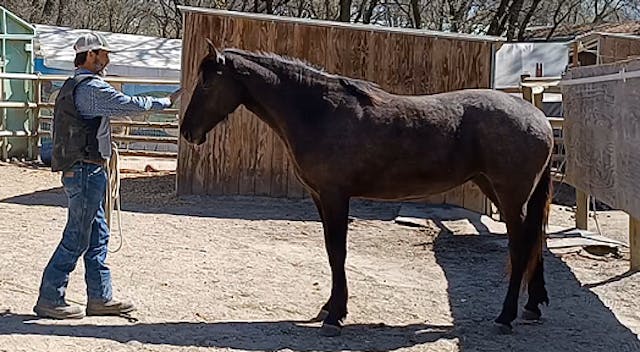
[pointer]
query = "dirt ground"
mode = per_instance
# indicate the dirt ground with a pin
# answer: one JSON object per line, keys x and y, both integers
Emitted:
{"x": 240, "y": 273}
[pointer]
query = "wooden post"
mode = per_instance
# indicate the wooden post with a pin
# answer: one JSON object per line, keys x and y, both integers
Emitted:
{"x": 3, "y": 120}
{"x": 574, "y": 60}
{"x": 582, "y": 209}
{"x": 537, "y": 99}
{"x": 634, "y": 242}
{"x": 35, "y": 120}
{"x": 527, "y": 94}
{"x": 5, "y": 150}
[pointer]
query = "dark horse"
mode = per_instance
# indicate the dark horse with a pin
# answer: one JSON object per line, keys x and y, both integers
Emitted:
{"x": 349, "y": 138}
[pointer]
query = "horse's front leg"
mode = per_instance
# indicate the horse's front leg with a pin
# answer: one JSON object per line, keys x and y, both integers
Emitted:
{"x": 324, "y": 311}
{"x": 334, "y": 212}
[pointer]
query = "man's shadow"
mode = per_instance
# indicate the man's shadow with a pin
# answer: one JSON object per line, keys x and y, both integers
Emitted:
{"x": 244, "y": 335}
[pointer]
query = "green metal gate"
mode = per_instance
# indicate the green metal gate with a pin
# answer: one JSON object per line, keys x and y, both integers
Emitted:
{"x": 17, "y": 123}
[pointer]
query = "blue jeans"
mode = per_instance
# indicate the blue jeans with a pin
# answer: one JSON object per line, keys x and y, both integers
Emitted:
{"x": 86, "y": 233}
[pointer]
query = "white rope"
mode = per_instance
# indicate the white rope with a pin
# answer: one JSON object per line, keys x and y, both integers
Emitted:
{"x": 113, "y": 193}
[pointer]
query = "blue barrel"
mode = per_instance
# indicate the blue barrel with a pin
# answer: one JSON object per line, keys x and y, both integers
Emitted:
{"x": 45, "y": 152}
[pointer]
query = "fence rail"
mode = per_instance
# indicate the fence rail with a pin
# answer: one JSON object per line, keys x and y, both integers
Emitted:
{"x": 34, "y": 130}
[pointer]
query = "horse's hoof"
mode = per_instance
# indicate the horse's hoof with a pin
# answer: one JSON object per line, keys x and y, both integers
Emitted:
{"x": 530, "y": 315}
{"x": 322, "y": 315}
{"x": 329, "y": 330}
{"x": 503, "y": 329}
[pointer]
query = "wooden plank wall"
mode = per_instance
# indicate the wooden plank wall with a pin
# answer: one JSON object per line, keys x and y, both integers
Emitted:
{"x": 614, "y": 49}
{"x": 243, "y": 156}
{"x": 602, "y": 135}
{"x": 602, "y": 139}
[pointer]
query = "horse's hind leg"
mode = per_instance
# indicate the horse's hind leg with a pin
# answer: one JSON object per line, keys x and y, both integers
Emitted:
{"x": 513, "y": 202}
{"x": 537, "y": 294}
{"x": 524, "y": 205}
{"x": 536, "y": 220}
{"x": 334, "y": 211}
{"x": 518, "y": 261}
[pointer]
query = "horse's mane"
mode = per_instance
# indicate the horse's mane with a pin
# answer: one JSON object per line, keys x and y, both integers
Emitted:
{"x": 308, "y": 72}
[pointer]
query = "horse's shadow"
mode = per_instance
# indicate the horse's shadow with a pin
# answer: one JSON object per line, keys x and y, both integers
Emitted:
{"x": 156, "y": 195}
{"x": 250, "y": 336}
{"x": 476, "y": 270}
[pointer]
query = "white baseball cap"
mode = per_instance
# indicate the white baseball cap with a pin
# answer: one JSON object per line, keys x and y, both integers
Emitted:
{"x": 90, "y": 42}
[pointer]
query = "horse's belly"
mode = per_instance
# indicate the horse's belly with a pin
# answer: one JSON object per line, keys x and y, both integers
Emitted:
{"x": 408, "y": 188}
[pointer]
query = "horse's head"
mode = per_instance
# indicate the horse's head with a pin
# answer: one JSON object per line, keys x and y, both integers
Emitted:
{"x": 216, "y": 94}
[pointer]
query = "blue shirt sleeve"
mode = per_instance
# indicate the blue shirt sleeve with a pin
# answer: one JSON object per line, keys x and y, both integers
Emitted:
{"x": 97, "y": 98}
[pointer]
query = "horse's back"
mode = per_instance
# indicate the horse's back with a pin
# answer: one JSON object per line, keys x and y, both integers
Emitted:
{"x": 489, "y": 101}
{"x": 494, "y": 113}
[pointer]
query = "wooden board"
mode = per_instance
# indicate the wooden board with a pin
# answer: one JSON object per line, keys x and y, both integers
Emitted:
{"x": 280, "y": 160}
{"x": 602, "y": 136}
{"x": 474, "y": 199}
{"x": 377, "y": 58}
{"x": 634, "y": 242}
{"x": 264, "y": 135}
{"x": 249, "y": 123}
{"x": 613, "y": 48}
{"x": 422, "y": 67}
{"x": 607, "y": 50}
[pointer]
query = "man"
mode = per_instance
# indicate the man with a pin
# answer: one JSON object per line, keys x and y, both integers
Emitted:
{"x": 81, "y": 146}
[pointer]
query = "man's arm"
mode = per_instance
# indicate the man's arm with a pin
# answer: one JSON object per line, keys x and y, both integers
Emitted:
{"x": 96, "y": 97}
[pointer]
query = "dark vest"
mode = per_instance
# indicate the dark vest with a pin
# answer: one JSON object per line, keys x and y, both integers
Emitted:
{"x": 74, "y": 138}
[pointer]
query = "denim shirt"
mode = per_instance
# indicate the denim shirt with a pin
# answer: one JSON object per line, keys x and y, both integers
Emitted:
{"x": 97, "y": 98}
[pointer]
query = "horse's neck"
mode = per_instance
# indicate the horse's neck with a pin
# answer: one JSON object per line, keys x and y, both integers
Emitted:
{"x": 270, "y": 100}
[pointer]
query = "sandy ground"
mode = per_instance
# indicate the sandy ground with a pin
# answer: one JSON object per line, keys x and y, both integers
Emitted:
{"x": 239, "y": 273}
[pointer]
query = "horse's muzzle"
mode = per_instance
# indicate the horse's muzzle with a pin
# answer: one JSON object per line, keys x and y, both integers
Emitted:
{"x": 192, "y": 138}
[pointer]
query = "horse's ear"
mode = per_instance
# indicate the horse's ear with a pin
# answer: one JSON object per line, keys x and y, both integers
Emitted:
{"x": 213, "y": 51}
{"x": 212, "y": 48}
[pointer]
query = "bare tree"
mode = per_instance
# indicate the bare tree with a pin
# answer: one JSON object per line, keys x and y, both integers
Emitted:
{"x": 560, "y": 14}
{"x": 458, "y": 12}
{"x": 510, "y": 18}
{"x": 366, "y": 18}
{"x": 415, "y": 13}
{"x": 345, "y": 11}
{"x": 513, "y": 18}
{"x": 607, "y": 8}
{"x": 522, "y": 29}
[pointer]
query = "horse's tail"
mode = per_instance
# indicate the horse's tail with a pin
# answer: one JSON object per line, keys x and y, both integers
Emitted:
{"x": 536, "y": 219}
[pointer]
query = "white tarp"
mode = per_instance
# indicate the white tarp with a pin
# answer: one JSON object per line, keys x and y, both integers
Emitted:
{"x": 514, "y": 59}
{"x": 135, "y": 56}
